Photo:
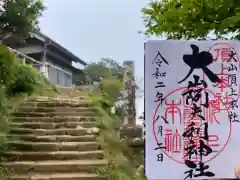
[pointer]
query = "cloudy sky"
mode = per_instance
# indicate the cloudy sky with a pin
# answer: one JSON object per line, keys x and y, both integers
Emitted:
{"x": 96, "y": 29}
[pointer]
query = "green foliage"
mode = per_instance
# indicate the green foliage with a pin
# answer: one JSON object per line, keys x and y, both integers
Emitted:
{"x": 19, "y": 78}
{"x": 122, "y": 163}
{"x": 111, "y": 88}
{"x": 19, "y": 17}
{"x": 115, "y": 69}
{"x": 7, "y": 60}
{"x": 80, "y": 78}
{"x": 111, "y": 73}
{"x": 26, "y": 80}
{"x": 104, "y": 68}
{"x": 94, "y": 70}
{"x": 2, "y": 100}
{"x": 4, "y": 173}
{"x": 3, "y": 108}
{"x": 120, "y": 112}
{"x": 184, "y": 19}
{"x": 44, "y": 82}
{"x": 4, "y": 127}
{"x": 6, "y": 77}
{"x": 15, "y": 79}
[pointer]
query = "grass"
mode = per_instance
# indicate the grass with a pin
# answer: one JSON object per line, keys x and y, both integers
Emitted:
{"x": 11, "y": 104}
{"x": 18, "y": 82}
{"x": 123, "y": 163}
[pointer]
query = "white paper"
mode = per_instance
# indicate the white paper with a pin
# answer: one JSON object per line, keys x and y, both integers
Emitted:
{"x": 223, "y": 129}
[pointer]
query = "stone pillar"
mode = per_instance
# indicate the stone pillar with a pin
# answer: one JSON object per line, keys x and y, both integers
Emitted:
{"x": 129, "y": 130}
{"x": 44, "y": 67}
{"x": 129, "y": 93}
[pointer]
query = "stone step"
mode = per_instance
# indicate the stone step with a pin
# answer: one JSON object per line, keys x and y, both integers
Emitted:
{"x": 55, "y": 119}
{"x": 56, "y": 109}
{"x": 54, "y": 146}
{"x": 60, "y": 99}
{"x": 73, "y": 166}
{"x": 82, "y": 103}
{"x": 42, "y": 132}
{"x": 54, "y": 155}
{"x": 47, "y": 125}
{"x": 52, "y": 114}
{"x": 58, "y": 176}
{"x": 71, "y": 90}
{"x": 51, "y": 138}
{"x": 59, "y": 96}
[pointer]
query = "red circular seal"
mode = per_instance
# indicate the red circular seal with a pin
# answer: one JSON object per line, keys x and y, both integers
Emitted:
{"x": 226, "y": 66}
{"x": 174, "y": 115}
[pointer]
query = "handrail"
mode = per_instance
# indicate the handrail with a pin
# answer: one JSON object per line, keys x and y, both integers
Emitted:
{"x": 37, "y": 64}
{"x": 40, "y": 63}
{"x": 25, "y": 56}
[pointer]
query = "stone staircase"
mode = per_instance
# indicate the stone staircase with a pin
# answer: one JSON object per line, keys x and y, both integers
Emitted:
{"x": 54, "y": 139}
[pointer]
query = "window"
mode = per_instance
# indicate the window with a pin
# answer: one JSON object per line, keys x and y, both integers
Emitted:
{"x": 59, "y": 77}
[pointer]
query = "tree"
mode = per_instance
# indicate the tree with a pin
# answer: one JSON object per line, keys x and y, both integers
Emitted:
{"x": 115, "y": 68}
{"x": 104, "y": 68}
{"x": 19, "y": 18}
{"x": 186, "y": 19}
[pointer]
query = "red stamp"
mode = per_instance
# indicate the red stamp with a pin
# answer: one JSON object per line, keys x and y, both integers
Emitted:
{"x": 226, "y": 65}
{"x": 174, "y": 115}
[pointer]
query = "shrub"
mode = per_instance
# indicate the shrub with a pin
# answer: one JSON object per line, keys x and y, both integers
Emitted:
{"x": 4, "y": 126}
{"x": 3, "y": 107}
{"x": 7, "y": 65}
{"x": 122, "y": 161}
{"x": 17, "y": 77}
{"x": 111, "y": 87}
{"x": 26, "y": 80}
{"x": 43, "y": 81}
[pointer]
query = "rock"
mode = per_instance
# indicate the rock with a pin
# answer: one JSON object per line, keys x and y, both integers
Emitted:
{"x": 79, "y": 127}
{"x": 89, "y": 131}
{"x": 140, "y": 170}
{"x": 113, "y": 110}
{"x": 95, "y": 130}
{"x": 131, "y": 131}
{"x": 136, "y": 142}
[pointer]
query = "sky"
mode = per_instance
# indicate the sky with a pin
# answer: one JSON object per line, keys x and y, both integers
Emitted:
{"x": 99, "y": 29}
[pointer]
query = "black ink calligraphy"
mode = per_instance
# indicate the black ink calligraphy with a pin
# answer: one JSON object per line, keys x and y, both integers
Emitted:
{"x": 159, "y": 62}
{"x": 199, "y": 60}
